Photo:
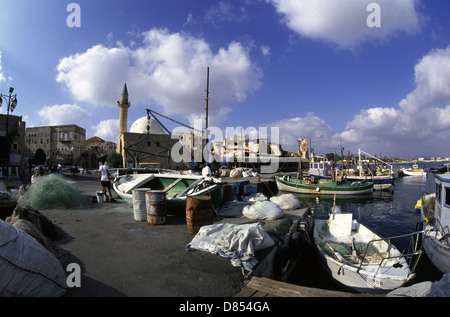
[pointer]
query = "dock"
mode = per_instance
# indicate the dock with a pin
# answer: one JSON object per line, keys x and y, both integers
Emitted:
{"x": 265, "y": 287}
{"x": 121, "y": 257}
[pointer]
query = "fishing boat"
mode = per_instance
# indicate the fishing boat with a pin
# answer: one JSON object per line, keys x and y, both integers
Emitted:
{"x": 358, "y": 258}
{"x": 435, "y": 219}
{"x": 414, "y": 171}
{"x": 176, "y": 186}
{"x": 322, "y": 186}
{"x": 383, "y": 178}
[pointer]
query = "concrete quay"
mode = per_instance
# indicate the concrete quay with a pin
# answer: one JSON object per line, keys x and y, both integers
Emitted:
{"x": 121, "y": 257}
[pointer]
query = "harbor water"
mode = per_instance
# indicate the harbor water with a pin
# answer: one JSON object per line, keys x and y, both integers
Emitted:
{"x": 387, "y": 213}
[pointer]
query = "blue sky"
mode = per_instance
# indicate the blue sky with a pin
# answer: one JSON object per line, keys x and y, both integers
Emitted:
{"x": 312, "y": 69}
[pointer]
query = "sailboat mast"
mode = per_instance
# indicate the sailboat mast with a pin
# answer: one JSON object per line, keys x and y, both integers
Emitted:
{"x": 207, "y": 96}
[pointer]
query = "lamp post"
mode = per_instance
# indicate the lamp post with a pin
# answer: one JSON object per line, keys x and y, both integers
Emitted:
{"x": 12, "y": 103}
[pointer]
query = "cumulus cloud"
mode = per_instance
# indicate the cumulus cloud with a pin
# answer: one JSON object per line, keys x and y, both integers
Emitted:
{"x": 167, "y": 70}
{"x": 345, "y": 22}
{"x": 310, "y": 127}
{"x": 96, "y": 75}
{"x": 418, "y": 125}
{"x": 107, "y": 130}
{"x": 422, "y": 117}
{"x": 64, "y": 114}
{"x": 2, "y": 75}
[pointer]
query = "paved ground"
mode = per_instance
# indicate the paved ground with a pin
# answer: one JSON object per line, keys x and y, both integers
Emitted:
{"x": 119, "y": 256}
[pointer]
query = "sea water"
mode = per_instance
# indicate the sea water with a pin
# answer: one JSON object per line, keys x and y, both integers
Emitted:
{"x": 387, "y": 213}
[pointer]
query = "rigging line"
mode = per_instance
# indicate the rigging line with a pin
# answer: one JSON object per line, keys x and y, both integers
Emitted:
{"x": 178, "y": 122}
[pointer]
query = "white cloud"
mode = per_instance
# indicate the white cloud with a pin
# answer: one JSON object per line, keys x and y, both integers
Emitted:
{"x": 107, "y": 130}
{"x": 96, "y": 75}
{"x": 167, "y": 70}
{"x": 64, "y": 114}
{"x": 344, "y": 22}
{"x": 310, "y": 127}
{"x": 418, "y": 126}
{"x": 422, "y": 120}
{"x": 2, "y": 76}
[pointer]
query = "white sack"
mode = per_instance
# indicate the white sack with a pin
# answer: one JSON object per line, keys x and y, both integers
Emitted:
{"x": 266, "y": 210}
{"x": 26, "y": 267}
{"x": 287, "y": 201}
{"x": 237, "y": 242}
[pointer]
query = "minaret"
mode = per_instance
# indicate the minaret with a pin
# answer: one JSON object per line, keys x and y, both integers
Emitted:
{"x": 123, "y": 118}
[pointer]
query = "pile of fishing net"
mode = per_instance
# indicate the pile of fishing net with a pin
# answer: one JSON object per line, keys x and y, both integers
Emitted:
{"x": 51, "y": 192}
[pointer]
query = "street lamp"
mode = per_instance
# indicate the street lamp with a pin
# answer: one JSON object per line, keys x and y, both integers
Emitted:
{"x": 12, "y": 103}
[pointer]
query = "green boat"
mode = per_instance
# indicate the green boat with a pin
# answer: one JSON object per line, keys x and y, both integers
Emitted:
{"x": 176, "y": 187}
{"x": 323, "y": 186}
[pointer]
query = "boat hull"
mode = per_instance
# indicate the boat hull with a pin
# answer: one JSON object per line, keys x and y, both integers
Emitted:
{"x": 327, "y": 188}
{"x": 177, "y": 187}
{"x": 379, "y": 182}
{"x": 368, "y": 278}
{"x": 437, "y": 252}
{"x": 413, "y": 173}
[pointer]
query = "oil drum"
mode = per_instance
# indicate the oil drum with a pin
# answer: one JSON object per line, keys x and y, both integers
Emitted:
{"x": 155, "y": 201}
{"x": 199, "y": 212}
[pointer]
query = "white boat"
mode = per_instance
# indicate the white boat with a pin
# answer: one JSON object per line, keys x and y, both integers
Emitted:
{"x": 176, "y": 186}
{"x": 435, "y": 217}
{"x": 414, "y": 171}
{"x": 358, "y": 258}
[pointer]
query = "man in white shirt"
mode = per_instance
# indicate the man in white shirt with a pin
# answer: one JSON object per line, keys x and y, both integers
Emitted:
{"x": 206, "y": 171}
{"x": 104, "y": 179}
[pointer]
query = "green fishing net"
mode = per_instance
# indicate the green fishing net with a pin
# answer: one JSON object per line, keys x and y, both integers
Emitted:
{"x": 52, "y": 192}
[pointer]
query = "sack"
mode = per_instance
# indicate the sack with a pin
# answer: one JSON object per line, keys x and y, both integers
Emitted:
{"x": 287, "y": 201}
{"x": 264, "y": 209}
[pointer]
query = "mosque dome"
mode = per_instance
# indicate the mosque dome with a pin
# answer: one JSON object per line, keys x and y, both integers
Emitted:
{"x": 140, "y": 126}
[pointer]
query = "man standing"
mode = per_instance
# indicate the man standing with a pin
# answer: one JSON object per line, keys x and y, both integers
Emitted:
{"x": 104, "y": 179}
{"x": 206, "y": 171}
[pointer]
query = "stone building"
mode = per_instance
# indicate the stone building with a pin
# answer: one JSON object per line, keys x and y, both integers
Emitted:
{"x": 62, "y": 143}
{"x": 13, "y": 152}
{"x": 96, "y": 149}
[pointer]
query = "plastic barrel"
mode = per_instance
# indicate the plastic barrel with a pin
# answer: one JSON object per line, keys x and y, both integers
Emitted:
{"x": 100, "y": 197}
{"x": 155, "y": 201}
{"x": 199, "y": 212}
{"x": 139, "y": 206}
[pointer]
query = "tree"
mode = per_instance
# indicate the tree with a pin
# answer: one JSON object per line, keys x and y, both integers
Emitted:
{"x": 114, "y": 159}
{"x": 39, "y": 157}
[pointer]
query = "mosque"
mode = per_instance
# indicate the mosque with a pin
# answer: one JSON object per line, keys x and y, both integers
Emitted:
{"x": 147, "y": 144}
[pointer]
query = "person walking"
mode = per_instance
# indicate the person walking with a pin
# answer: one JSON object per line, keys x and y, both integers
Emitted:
{"x": 105, "y": 179}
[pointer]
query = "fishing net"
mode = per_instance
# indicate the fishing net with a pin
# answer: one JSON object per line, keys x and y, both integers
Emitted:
{"x": 52, "y": 192}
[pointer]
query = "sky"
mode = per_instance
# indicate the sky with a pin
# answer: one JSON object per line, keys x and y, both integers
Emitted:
{"x": 349, "y": 74}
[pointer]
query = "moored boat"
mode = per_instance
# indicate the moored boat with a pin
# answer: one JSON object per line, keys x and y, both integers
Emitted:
{"x": 322, "y": 186}
{"x": 435, "y": 219}
{"x": 176, "y": 187}
{"x": 358, "y": 258}
{"x": 414, "y": 171}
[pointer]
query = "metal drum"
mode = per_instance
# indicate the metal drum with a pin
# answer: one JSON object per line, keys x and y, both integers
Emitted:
{"x": 155, "y": 201}
{"x": 199, "y": 212}
{"x": 139, "y": 206}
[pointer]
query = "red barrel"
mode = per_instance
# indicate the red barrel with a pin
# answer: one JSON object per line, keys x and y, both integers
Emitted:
{"x": 155, "y": 202}
{"x": 199, "y": 212}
